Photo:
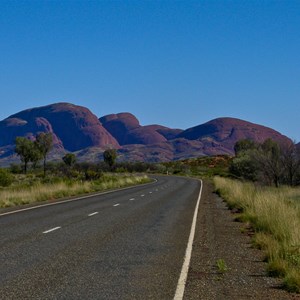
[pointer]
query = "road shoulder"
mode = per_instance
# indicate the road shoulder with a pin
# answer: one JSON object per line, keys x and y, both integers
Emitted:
{"x": 219, "y": 237}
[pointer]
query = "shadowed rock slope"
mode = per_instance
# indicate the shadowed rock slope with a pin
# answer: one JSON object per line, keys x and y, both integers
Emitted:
{"x": 127, "y": 130}
{"x": 73, "y": 127}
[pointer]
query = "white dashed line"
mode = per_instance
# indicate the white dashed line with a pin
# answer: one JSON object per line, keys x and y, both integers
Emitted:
{"x": 50, "y": 230}
{"x": 143, "y": 195}
{"x": 92, "y": 214}
{"x": 150, "y": 192}
{"x": 131, "y": 199}
{"x": 117, "y": 204}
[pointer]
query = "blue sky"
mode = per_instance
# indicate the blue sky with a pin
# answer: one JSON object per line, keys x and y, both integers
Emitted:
{"x": 174, "y": 63}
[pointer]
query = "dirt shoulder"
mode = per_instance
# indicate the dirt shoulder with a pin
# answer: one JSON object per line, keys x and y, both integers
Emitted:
{"x": 218, "y": 236}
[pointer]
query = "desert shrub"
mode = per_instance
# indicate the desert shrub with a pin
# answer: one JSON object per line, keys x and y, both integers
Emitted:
{"x": 121, "y": 170}
{"x": 92, "y": 175}
{"x": 159, "y": 168}
{"x": 15, "y": 168}
{"x": 6, "y": 178}
{"x": 51, "y": 179}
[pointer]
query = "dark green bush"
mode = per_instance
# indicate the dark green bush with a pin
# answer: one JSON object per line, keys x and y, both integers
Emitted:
{"x": 92, "y": 175}
{"x": 15, "y": 168}
{"x": 6, "y": 178}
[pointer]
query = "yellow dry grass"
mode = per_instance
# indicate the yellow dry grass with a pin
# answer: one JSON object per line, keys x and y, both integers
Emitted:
{"x": 41, "y": 192}
{"x": 275, "y": 216}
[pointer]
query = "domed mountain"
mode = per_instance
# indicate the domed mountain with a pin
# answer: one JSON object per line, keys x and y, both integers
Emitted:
{"x": 126, "y": 128}
{"x": 118, "y": 125}
{"x": 73, "y": 127}
{"x": 225, "y": 132}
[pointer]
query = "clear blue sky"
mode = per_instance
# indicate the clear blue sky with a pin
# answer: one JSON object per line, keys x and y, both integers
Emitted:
{"x": 178, "y": 64}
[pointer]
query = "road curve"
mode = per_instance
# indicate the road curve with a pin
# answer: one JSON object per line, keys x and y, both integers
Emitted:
{"x": 128, "y": 244}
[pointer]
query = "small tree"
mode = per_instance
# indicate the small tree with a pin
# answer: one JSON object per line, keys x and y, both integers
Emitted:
{"x": 270, "y": 161}
{"x": 44, "y": 143}
{"x": 69, "y": 159}
{"x": 291, "y": 162}
{"x": 110, "y": 157}
{"x": 25, "y": 148}
{"x": 244, "y": 145}
{"x": 36, "y": 156}
{"x": 244, "y": 166}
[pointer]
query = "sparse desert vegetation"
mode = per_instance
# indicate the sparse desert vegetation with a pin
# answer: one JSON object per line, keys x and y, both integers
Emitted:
{"x": 29, "y": 182}
{"x": 25, "y": 185}
{"x": 221, "y": 266}
{"x": 204, "y": 167}
{"x": 274, "y": 214}
{"x": 34, "y": 189}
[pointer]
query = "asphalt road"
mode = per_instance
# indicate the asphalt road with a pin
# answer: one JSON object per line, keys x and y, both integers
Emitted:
{"x": 128, "y": 244}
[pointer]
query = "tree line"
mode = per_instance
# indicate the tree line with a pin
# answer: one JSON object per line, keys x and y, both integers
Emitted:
{"x": 268, "y": 162}
{"x": 32, "y": 151}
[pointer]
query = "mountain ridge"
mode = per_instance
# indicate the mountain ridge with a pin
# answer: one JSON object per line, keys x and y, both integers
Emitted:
{"x": 76, "y": 129}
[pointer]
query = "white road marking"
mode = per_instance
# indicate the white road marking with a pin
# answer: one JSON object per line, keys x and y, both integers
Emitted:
{"x": 142, "y": 195}
{"x": 131, "y": 199}
{"x": 117, "y": 204}
{"x": 188, "y": 253}
{"x": 150, "y": 192}
{"x": 92, "y": 214}
{"x": 52, "y": 229}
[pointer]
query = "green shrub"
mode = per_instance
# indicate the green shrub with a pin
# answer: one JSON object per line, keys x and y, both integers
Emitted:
{"x": 15, "y": 168}
{"x": 92, "y": 175}
{"x": 6, "y": 178}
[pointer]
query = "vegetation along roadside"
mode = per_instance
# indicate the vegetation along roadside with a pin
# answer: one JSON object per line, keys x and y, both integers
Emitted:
{"x": 35, "y": 190}
{"x": 29, "y": 183}
{"x": 274, "y": 214}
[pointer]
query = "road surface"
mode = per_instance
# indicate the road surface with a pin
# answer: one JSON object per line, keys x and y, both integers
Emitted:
{"x": 128, "y": 244}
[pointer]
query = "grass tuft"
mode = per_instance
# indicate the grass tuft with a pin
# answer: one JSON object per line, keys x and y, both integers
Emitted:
{"x": 275, "y": 216}
{"x": 221, "y": 265}
{"x": 292, "y": 281}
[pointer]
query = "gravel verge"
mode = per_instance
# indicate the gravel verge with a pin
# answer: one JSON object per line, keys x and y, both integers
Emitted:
{"x": 219, "y": 236}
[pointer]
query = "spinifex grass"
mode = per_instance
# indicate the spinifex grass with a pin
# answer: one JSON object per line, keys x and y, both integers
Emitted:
{"x": 275, "y": 216}
{"x": 19, "y": 194}
{"x": 221, "y": 265}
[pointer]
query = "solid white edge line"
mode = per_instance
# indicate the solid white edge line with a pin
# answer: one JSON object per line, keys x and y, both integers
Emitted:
{"x": 92, "y": 214}
{"x": 188, "y": 253}
{"x": 52, "y": 229}
{"x": 75, "y": 199}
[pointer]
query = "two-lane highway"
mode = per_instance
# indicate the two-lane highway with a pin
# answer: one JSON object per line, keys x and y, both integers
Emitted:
{"x": 127, "y": 244}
